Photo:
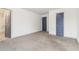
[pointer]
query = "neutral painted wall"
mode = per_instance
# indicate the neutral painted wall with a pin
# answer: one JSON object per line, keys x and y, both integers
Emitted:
{"x": 78, "y": 24}
{"x": 45, "y": 15}
{"x": 2, "y": 21}
{"x": 70, "y": 22}
{"x": 24, "y": 22}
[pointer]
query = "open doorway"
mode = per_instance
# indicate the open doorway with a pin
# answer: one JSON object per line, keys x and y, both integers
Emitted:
{"x": 44, "y": 24}
{"x": 5, "y": 24}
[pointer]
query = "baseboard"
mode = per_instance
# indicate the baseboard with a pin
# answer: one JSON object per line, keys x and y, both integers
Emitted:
{"x": 24, "y": 35}
{"x": 63, "y": 37}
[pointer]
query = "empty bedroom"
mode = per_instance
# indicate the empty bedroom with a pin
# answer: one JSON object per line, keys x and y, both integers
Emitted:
{"x": 39, "y": 29}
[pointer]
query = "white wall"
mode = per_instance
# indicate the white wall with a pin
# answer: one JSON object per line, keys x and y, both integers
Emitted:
{"x": 45, "y": 15}
{"x": 24, "y": 22}
{"x": 70, "y": 22}
{"x": 78, "y": 24}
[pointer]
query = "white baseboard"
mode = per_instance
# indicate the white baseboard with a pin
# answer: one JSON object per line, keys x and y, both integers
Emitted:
{"x": 24, "y": 34}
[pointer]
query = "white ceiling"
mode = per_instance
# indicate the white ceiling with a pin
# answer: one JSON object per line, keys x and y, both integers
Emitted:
{"x": 39, "y": 10}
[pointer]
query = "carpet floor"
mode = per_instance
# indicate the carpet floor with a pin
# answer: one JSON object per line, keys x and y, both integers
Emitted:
{"x": 40, "y": 41}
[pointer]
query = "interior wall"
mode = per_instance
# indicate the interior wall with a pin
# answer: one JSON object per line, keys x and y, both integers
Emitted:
{"x": 45, "y": 15}
{"x": 70, "y": 22}
{"x": 2, "y": 22}
{"x": 78, "y": 24}
{"x": 24, "y": 22}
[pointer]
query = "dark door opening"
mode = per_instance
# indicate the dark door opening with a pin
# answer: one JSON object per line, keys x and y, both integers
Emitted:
{"x": 8, "y": 25}
{"x": 44, "y": 24}
{"x": 60, "y": 24}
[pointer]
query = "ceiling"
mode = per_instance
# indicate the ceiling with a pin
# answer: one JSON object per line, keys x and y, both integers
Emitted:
{"x": 39, "y": 10}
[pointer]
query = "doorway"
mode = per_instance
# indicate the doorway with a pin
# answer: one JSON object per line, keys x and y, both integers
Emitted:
{"x": 5, "y": 24}
{"x": 60, "y": 24}
{"x": 44, "y": 24}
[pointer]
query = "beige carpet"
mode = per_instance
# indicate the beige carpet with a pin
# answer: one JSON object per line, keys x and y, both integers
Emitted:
{"x": 40, "y": 41}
